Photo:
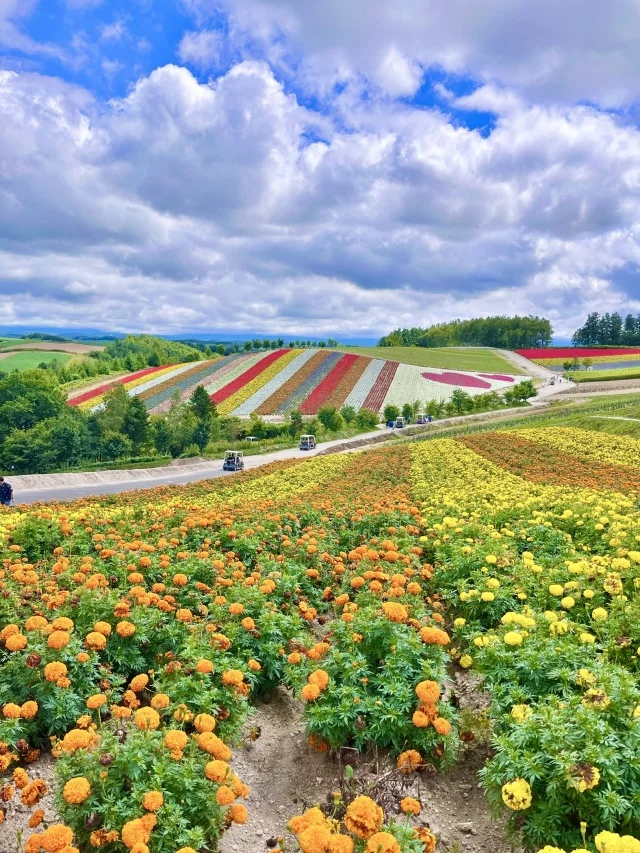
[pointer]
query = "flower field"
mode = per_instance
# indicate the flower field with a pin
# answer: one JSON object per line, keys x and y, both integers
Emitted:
{"x": 277, "y": 382}
{"x": 604, "y": 363}
{"x": 136, "y": 631}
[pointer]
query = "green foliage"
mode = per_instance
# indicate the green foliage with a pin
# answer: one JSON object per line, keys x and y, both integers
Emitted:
{"x": 37, "y": 537}
{"x": 348, "y": 414}
{"x": 330, "y": 418}
{"x": 505, "y": 332}
{"x": 366, "y": 419}
{"x": 151, "y": 350}
{"x": 391, "y": 413}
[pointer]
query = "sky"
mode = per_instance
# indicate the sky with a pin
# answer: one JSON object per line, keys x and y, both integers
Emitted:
{"x": 335, "y": 167}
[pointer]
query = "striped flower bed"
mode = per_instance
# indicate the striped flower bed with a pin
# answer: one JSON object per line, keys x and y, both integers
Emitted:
{"x": 302, "y": 391}
{"x": 348, "y": 382}
{"x": 102, "y": 389}
{"x": 247, "y": 376}
{"x": 232, "y": 370}
{"x": 364, "y": 385}
{"x": 259, "y": 397}
{"x": 131, "y": 386}
{"x": 328, "y": 385}
{"x": 271, "y": 371}
{"x": 159, "y": 379}
{"x": 159, "y": 399}
{"x": 273, "y": 403}
{"x": 375, "y": 397}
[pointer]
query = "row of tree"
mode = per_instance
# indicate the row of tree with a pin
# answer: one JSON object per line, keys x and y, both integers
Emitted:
{"x": 608, "y": 330}
{"x": 505, "y": 332}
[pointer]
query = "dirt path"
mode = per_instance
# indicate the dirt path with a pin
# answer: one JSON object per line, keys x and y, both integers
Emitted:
{"x": 530, "y": 367}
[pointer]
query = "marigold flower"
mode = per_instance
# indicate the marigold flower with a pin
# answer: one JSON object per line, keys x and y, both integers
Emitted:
{"x": 409, "y": 805}
{"x": 516, "y": 794}
{"x": 409, "y": 761}
{"x": 135, "y": 832}
{"x": 204, "y": 723}
{"x": 341, "y": 844}
{"x": 146, "y": 719}
{"x": 55, "y": 670}
{"x": 382, "y": 842}
{"x": 224, "y": 795}
{"x": 363, "y": 817}
{"x": 152, "y": 801}
{"x": 125, "y": 629}
{"x": 238, "y": 813}
{"x": 442, "y": 726}
{"x": 28, "y": 710}
{"x": 314, "y": 839}
{"x": 204, "y": 667}
{"x": 310, "y": 692}
{"x": 320, "y": 678}
{"x": 395, "y": 612}
{"x": 20, "y": 778}
{"x": 232, "y": 677}
{"x": 76, "y": 790}
{"x": 217, "y": 771}
{"x": 96, "y": 701}
{"x": 254, "y": 665}
{"x": 139, "y": 682}
{"x": 16, "y": 642}
{"x": 428, "y": 692}
{"x": 56, "y": 838}
{"x": 175, "y": 739}
{"x": 160, "y": 701}
{"x": 211, "y": 743}
{"x": 434, "y": 636}
{"x": 33, "y": 792}
{"x": 11, "y": 711}
{"x": 58, "y": 639}
{"x": 76, "y": 739}
{"x": 36, "y": 819}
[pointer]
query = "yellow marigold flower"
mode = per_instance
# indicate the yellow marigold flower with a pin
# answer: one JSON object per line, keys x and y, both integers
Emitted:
{"x": 516, "y": 794}
{"x": 585, "y": 637}
{"x": 459, "y": 622}
{"x": 382, "y": 842}
{"x": 487, "y": 596}
{"x": 76, "y": 790}
{"x": 466, "y": 661}
{"x": 146, "y": 719}
{"x": 409, "y": 805}
{"x": 595, "y": 698}
{"x": 513, "y": 638}
{"x": 599, "y": 614}
{"x": 363, "y": 817}
{"x": 520, "y": 713}
{"x": 152, "y": 801}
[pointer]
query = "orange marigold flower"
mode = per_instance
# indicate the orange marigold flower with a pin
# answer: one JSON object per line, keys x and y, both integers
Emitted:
{"x": 76, "y": 739}
{"x": 160, "y": 701}
{"x": 82, "y": 657}
{"x": 34, "y": 623}
{"x": 363, "y": 817}
{"x": 54, "y": 671}
{"x": 139, "y": 682}
{"x": 95, "y": 641}
{"x": 382, "y": 842}
{"x": 146, "y": 719}
{"x": 428, "y": 692}
{"x": 58, "y": 639}
{"x": 204, "y": 667}
{"x": 254, "y": 665}
{"x": 96, "y": 701}
{"x": 310, "y": 692}
{"x": 204, "y": 723}
{"x": 6, "y": 793}
{"x": 152, "y": 801}
{"x": 34, "y": 843}
{"x": 76, "y": 790}
{"x": 125, "y": 629}
{"x": 341, "y": 844}
{"x": 232, "y": 677}
{"x": 16, "y": 642}
{"x": 236, "y": 609}
{"x": 102, "y": 628}
{"x": 36, "y": 818}
{"x": 312, "y": 817}
{"x": 11, "y": 711}
{"x": 319, "y": 678}
{"x": 314, "y": 839}
{"x": 395, "y": 612}
{"x": 33, "y": 792}
{"x": 409, "y": 805}
{"x": 62, "y": 623}
{"x": 56, "y": 838}
{"x": 238, "y": 813}
{"x": 434, "y": 636}
{"x": 427, "y": 838}
{"x": 248, "y": 624}
{"x": 224, "y": 795}
{"x": 20, "y": 778}
{"x": 216, "y": 771}
{"x": 28, "y": 710}
{"x": 442, "y": 726}
{"x": 409, "y": 761}
{"x": 134, "y": 832}
{"x": 175, "y": 740}
{"x": 212, "y": 744}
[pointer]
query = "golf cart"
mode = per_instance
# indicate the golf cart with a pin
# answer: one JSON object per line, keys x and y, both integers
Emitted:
{"x": 307, "y": 442}
{"x": 233, "y": 460}
{"x": 400, "y": 423}
{"x": 421, "y": 420}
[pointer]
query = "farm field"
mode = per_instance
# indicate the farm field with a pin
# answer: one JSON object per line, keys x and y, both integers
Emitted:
{"x": 277, "y": 382}
{"x": 137, "y": 631}
{"x": 473, "y": 359}
{"x": 603, "y": 363}
{"x": 53, "y": 346}
{"x": 28, "y": 360}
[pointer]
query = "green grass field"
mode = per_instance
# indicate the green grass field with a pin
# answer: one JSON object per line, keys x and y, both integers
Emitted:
{"x": 11, "y": 342}
{"x": 448, "y": 358}
{"x": 29, "y": 359}
{"x": 586, "y": 376}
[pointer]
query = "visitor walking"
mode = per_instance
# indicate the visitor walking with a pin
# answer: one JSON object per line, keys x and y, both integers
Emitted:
{"x": 6, "y": 492}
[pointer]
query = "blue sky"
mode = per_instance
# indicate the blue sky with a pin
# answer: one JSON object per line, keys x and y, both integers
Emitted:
{"x": 340, "y": 167}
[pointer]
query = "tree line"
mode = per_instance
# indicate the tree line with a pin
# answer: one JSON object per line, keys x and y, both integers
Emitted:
{"x": 608, "y": 330}
{"x": 504, "y": 332}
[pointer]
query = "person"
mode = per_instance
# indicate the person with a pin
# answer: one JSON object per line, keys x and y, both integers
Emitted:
{"x": 6, "y": 492}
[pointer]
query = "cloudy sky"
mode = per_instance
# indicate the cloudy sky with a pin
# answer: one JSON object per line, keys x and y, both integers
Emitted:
{"x": 324, "y": 167}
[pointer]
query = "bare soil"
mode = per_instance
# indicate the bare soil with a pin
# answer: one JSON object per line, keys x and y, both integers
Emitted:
{"x": 586, "y": 388}
{"x": 14, "y": 830}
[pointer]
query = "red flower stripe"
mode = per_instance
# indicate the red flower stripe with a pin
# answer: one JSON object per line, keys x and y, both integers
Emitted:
{"x": 323, "y": 389}
{"x": 576, "y": 352}
{"x": 287, "y": 389}
{"x": 348, "y": 382}
{"x": 500, "y": 377}
{"x": 102, "y": 389}
{"x": 375, "y": 397}
{"x": 247, "y": 376}
{"x": 460, "y": 380}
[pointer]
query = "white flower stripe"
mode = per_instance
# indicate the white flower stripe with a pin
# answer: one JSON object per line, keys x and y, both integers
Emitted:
{"x": 235, "y": 369}
{"x": 272, "y": 385}
{"x": 158, "y": 380}
{"x": 410, "y": 385}
{"x": 363, "y": 386}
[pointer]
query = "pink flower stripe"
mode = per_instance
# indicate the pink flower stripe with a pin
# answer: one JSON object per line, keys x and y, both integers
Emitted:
{"x": 324, "y": 389}
{"x": 376, "y": 396}
{"x": 542, "y": 353}
{"x": 102, "y": 389}
{"x": 462, "y": 380}
{"x": 499, "y": 377}
{"x": 247, "y": 376}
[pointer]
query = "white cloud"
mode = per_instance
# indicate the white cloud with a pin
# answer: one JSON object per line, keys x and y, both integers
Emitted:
{"x": 573, "y": 50}
{"x": 201, "y": 49}
{"x": 186, "y": 205}
{"x": 13, "y": 38}
{"x": 115, "y": 31}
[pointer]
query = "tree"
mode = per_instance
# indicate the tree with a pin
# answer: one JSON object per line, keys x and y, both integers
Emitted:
{"x": 296, "y": 424}
{"x": 407, "y": 411}
{"x": 28, "y": 398}
{"x": 330, "y": 418}
{"x": 135, "y": 424}
{"x": 202, "y": 434}
{"x": 460, "y": 400}
{"x": 221, "y": 349}
{"x": 587, "y": 362}
{"x": 391, "y": 413}
{"x": 247, "y": 346}
{"x": 348, "y": 413}
{"x": 116, "y": 403}
{"x": 160, "y": 434}
{"x": 28, "y": 451}
{"x": 114, "y": 445}
{"x": 366, "y": 419}
{"x": 201, "y": 404}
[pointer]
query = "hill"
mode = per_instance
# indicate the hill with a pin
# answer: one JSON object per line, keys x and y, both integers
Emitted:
{"x": 475, "y": 359}
{"x": 277, "y": 382}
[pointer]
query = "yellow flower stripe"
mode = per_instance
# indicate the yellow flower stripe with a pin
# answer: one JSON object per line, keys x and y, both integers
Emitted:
{"x": 585, "y": 444}
{"x": 231, "y": 403}
{"x": 95, "y": 401}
